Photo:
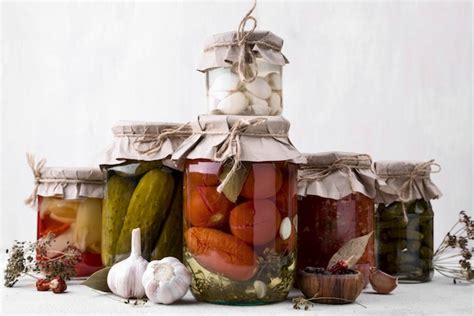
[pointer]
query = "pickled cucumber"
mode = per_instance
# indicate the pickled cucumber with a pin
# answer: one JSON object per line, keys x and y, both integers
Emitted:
{"x": 117, "y": 197}
{"x": 147, "y": 209}
{"x": 404, "y": 235}
{"x": 170, "y": 242}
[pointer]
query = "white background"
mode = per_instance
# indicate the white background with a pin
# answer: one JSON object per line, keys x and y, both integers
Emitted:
{"x": 393, "y": 79}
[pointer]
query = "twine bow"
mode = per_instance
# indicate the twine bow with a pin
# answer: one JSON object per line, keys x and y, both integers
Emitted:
{"x": 36, "y": 168}
{"x": 247, "y": 58}
{"x": 155, "y": 142}
{"x": 344, "y": 164}
{"x": 233, "y": 137}
{"x": 420, "y": 171}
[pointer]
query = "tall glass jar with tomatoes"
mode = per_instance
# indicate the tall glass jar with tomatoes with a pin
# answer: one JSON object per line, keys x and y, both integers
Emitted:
{"x": 240, "y": 222}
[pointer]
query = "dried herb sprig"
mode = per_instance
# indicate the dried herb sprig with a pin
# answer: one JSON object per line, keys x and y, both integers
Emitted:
{"x": 30, "y": 258}
{"x": 453, "y": 258}
{"x": 306, "y": 303}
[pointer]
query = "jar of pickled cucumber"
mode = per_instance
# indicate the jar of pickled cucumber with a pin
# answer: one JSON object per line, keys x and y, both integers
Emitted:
{"x": 244, "y": 73}
{"x": 404, "y": 219}
{"x": 69, "y": 203}
{"x": 143, "y": 189}
{"x": 336, "y": 204}
{"x": 240, "y": 209}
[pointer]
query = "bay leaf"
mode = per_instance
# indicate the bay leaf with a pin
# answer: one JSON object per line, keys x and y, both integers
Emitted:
{"x": 351, "y": 251}
{"x": 233, "y": 187}
{"x": 98, "y": 280}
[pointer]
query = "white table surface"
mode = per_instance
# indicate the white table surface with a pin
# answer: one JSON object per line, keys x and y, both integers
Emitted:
{"x": 439, "y": 297}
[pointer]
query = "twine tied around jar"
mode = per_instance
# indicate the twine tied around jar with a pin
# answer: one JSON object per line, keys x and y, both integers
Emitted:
{"x": 420, "y": 171}
{"x": 37, "y": 168}
{"x": 247, "y": 58}
{"x": 344, "y": 164}
{"x": 233, "y": 139}
{"x": 155, "y": 142}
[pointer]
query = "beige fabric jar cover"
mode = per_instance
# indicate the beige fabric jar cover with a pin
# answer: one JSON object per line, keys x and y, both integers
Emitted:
{"x": 237, "y": 138}
{"x": 67, "y": 183}
{"x": 224, "y": 49}
{"x": 406, "y": 181}
{"x": 144, "y": 141}
{"x": 335, "y": 175}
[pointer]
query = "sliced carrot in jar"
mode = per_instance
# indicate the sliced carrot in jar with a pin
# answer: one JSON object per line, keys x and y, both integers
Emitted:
{"x": 221, "y": 253}
{"x": 49, "y": 225}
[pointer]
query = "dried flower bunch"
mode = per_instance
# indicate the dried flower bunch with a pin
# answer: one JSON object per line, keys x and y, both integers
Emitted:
{"x": 30, "y": 258}
{"x": 453, "y": 258}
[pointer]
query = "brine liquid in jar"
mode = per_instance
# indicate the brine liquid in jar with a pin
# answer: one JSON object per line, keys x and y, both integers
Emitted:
{"x": 240, "y": 252}
{"x": 228, "y": 94}
{"x": 74, "y": 223}
{"x": 325, "y": 225}
{"x": 404, "y": 240}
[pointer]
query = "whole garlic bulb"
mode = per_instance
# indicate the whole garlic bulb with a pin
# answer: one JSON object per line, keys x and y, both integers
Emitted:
{"x": 125, "y": 278}
{"x": 166, "y": 280}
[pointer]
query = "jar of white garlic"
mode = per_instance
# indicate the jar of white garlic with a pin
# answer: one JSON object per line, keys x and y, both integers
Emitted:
{"x": 244, "y": 73}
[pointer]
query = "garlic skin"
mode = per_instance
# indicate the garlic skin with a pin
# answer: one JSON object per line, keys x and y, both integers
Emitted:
{"x": 166, "y": 280}
{"x": 125, "y": 278}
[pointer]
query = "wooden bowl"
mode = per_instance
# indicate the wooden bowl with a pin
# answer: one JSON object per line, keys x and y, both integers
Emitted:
{"x": 331, "y": 288}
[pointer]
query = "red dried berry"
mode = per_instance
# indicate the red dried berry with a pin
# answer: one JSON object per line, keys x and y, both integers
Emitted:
{"x": 42, "y": 285}
{"x": 57, "y": 285}
{"x": 339, "y": 267}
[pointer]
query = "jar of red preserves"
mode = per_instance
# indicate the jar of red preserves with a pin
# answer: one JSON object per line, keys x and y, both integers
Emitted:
{"x": 336, "y": 204}
{"x": 69, "y": 203}
{"x": 240, "y": 209}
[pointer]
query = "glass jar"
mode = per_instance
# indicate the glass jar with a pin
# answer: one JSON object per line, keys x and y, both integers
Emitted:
{"x": 241, "y": 253}
{"x": 325, "y": 225}
{"x": 404, "y": 240}
{"x": 144, "y": 194}
{"x": 336, "y": 204}
{"x": 74, "y": 223}
{"x": 228, "y": 94}
{"x": 244, "y": 83}
{"x": 144, "y": 189}
{"x": 69, "y": 213}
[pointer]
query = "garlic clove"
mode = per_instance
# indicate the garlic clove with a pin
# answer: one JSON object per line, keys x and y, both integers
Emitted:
{"x": 225, "y": 82}
{"x": 260, "y": 109}
{"x": 255, "y": 100}
{"x": 260, "y": 289}
{"x": 166, "y": 280}
{"x": 382, "y": 282}
{"x": 275, "y": 103}
{"x": 125, "y": 277}
{"x": 274, "y": 80}
{"x": 235, "y": 103}
{"x": 285, "y": 228}
{"x": 295, "y": 222}
{"x": 259, "y": 88}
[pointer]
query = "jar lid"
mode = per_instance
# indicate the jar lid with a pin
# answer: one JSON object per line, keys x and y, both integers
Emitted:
{"x": 335, "y": 175}
{"x": 69, "y": 183}
{"x": 222, "y": 50}
{"x": 236, "y": 138}
{"x": 406, "y": 181}
{"x": 144, "y": 141}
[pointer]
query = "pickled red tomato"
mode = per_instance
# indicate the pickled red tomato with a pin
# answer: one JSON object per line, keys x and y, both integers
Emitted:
{"x": 263, "y": 181}
{"x": 207, "y": 207}
{"x": 203, "y": 173}
{"x": 255, "y": 222}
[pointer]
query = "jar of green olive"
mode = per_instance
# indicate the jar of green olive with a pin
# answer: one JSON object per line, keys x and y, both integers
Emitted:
{"x": 404, "y": 219}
